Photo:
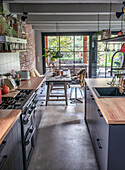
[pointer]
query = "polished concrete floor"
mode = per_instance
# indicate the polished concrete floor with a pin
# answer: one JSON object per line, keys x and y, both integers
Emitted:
{"x": 63, "y": 141}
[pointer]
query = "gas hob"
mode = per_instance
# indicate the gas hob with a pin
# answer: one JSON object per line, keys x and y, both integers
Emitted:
{"x": 18, "y": 102}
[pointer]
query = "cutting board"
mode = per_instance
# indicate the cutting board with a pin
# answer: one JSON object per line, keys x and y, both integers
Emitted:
{"x": 12, "y": 93}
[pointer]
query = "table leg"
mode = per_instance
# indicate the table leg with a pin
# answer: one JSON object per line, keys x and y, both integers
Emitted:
{"x": 65, "y": 89}
{"x": 51, "y": 86}
{"x": 47, "y": 95}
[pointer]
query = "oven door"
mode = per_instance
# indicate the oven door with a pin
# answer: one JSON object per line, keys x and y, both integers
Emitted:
{"x": 29, "y": 130}
{"x": 27, "y": 119}
{"x": 28, "y": 142}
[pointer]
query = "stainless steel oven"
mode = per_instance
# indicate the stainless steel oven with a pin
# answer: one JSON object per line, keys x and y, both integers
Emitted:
{"x": 29, "y": 128}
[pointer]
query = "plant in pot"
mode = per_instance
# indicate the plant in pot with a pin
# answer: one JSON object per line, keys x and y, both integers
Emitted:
{"x": 17, "y": 80}
{"x": 5, "y": 27}
{"x": 53, "y": 56}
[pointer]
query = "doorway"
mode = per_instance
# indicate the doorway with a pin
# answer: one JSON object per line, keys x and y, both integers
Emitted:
{"x": 74, "y": 48}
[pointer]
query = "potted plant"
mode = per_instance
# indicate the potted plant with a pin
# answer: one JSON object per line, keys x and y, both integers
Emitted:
{"x": 53, "y": 55}
{"x": 49, "y": 53}
{"x": 17, "y": 80}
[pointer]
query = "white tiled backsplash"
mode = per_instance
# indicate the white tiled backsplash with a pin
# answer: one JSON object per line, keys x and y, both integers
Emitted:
{"x": 9, "y": 61}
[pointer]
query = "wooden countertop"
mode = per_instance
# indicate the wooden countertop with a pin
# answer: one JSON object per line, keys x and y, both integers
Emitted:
{"x": 6, "y": 123}
{"x": 32, "y": 83}
{"x": 113, "y": 109}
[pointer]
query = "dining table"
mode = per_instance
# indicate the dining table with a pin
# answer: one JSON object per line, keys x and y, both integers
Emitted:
{"x": 52, "y": 81}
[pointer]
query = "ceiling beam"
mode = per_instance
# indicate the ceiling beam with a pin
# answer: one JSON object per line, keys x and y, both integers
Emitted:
{"x": 77, "y": 18}
{"x": 64, "y": 8}
{"x": 63, "y": 1}
{"x": 71, "y": 15}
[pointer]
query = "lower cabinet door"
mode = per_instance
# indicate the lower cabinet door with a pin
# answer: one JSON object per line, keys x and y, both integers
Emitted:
{"x": 18, "y": 163}
{"x": 101, "y": 153}
{"x": 4, "y": 162}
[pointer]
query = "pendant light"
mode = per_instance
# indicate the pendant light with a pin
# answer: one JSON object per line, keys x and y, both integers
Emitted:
{"x": 98, "y": 22}
{"x": 58, "y": 54}
{"x": 119, "y": 14}
{"x": 110, "y": 18}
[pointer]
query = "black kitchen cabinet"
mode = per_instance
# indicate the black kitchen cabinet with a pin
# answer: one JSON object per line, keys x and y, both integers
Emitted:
{"x": 11, "y": 157}
{"x": 108, "y": 139}
{"x": 41, "y": 97}
{"x": 3, "y": 156}
{"x": 41, "y": 93}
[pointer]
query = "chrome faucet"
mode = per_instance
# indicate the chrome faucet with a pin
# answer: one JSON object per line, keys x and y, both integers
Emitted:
{"x": 118, "y": 80}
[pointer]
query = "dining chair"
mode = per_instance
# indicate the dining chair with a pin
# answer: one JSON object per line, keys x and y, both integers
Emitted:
{"x": 78, "y": 83}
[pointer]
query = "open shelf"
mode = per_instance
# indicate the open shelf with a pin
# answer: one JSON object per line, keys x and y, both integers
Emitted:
{"x": 11, "y": 51}
{"x": 6, "y": 39}
{"x": 120, "y": 38}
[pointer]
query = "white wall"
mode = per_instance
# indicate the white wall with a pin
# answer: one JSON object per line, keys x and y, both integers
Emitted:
{"x": 38, "y": 41}
{"x": 9, "y": 61}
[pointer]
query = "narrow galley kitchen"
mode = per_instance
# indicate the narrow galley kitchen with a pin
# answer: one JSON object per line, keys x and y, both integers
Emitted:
{"x": 62, "y": 85}
{"x": 63, "y": 141}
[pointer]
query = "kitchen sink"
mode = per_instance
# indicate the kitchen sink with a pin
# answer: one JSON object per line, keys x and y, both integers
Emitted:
{"x": 108, "y": 92}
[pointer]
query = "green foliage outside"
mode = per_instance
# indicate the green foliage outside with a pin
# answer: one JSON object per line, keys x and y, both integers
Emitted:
{"x": 106, "y": 51}
{"x": 70, "y": 46}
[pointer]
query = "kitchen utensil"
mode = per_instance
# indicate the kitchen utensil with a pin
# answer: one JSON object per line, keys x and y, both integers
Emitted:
{"x": 24, "y": 75}
{"x": 10, "y": 82}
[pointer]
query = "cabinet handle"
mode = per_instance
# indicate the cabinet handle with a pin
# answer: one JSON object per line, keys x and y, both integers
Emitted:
{"x": 34, "y": 104}
{"x": 35, "y": 110}
{"x": 30, "y": 131}
{"x": 41, "y": 92}
{"x": 28, "y": 117}
{"x": 99, "y": 144}
{"x": 3, "y": 161}
{"x": 99, "y": 112}
{"x": 2, "y": 145}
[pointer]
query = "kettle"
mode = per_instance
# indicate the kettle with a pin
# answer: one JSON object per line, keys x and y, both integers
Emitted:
{"x": 5, "y": 89}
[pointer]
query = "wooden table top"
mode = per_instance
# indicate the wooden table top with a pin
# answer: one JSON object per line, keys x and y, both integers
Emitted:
{"x": 50, "y": 78}
{"x": 113, "y": 109}
{"x": 32, "y": 83}
{"x": 6, "y": 123}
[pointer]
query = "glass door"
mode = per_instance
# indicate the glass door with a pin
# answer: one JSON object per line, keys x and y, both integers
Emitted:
{"x": 75, "y": 50}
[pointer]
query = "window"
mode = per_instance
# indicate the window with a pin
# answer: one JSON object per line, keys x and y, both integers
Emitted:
{"x": 75, "y": 50}
{"x": 105, "y": 52}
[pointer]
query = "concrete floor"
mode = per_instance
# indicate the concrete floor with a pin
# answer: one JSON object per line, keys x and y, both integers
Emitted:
{"x": 63, "y": 141}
